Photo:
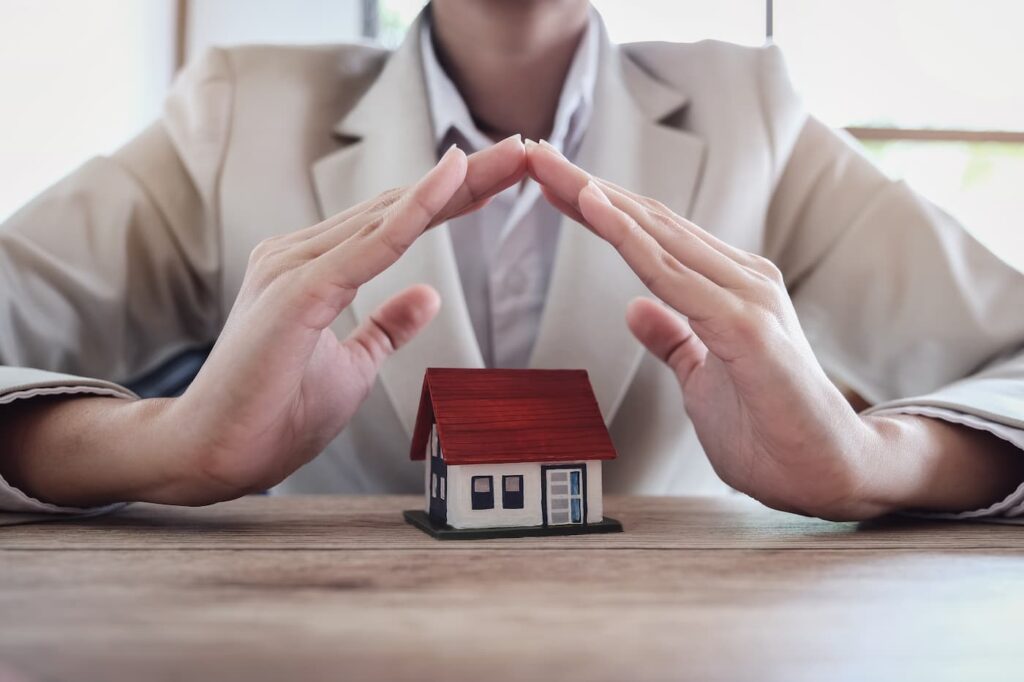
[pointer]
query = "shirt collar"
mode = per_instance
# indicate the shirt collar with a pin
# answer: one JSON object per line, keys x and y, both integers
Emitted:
{"x": 448, "y": 110}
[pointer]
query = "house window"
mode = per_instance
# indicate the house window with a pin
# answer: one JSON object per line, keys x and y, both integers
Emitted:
{"x": 433, "y": 485}
{"x": 443, "y": 479}
{"x": 512, "y": 492}
{"x": 483, "y": 492}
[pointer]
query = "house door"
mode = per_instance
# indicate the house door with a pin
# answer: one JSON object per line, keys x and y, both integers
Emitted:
{"x": 565, "y": 494}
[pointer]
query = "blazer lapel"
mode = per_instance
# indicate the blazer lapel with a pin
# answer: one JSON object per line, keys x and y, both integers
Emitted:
{"x": 627, "y": 143}
{"x": 389, "y": 143}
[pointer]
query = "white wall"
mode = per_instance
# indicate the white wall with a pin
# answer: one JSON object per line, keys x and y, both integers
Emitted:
{"x": 460, "y": 500}
{"x": 737, "y": 21}
{"x": 77, "y": 79}
{"x": 595, "y": 492}
{"x": 232, "y": 22}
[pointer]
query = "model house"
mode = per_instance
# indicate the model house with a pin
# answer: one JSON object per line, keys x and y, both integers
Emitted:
{"x": 515, "y": 452}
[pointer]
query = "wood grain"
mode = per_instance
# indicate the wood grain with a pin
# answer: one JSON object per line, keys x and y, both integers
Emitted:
{"x": 338, "y": 588}
{"x": 375, "y": 522}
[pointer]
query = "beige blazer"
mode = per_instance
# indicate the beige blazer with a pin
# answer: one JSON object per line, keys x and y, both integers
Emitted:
{"x": 139, "y": 255}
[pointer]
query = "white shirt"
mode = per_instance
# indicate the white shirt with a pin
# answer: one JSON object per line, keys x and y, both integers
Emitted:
{"x": 505, "y": 252}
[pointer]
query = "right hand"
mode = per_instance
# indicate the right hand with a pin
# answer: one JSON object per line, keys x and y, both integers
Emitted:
{"x": 279, "y": 385}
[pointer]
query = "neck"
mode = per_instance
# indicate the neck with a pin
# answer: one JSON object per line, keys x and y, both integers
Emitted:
{"x": 509, "y": 58}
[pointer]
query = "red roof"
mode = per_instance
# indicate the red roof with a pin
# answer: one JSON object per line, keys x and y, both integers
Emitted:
{"x": 495, "y": 416}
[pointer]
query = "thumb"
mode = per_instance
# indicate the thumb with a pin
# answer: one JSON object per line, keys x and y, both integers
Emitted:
{"x": 667, "y": 336}
{"x": 395, "y": 323}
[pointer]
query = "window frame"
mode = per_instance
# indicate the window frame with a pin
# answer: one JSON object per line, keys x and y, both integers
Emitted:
{"x": 371, "y": 29}
{"x": 864, "y": 133}
{"x": 480, "y": 501}
{"x": 897, "y": 133}
{"x": 512, "y": 499}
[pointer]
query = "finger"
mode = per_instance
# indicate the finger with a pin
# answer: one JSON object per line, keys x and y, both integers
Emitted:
{"x": 550, "y": 168}
{"x": 395, "y": 323}
{"x": 667, "y": 336}
{"x": 349, "y": 262}
{"x": 566, "y": 209}
{"x": 557, "y": 174}
{"x": 689, "y": 292}
{"x": 726, "y": 249}
{"x": 375, "y": 204}
{"x": 682, "y": 243}
{"x": 702, "y": 252}
{"x": 490, "y": 171}
{"x": 476, "y": 206}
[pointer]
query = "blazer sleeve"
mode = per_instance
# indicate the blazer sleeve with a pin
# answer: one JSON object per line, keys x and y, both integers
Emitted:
{"x": 900, "y": 302}
{"x": 116, "y": 268}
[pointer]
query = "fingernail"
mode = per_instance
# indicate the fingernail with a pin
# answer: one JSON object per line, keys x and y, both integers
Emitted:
{"x": 548, "y": 145}
{"x": 597, "y": 192}
{"x": 454, "y": 149}
{"x": 530, "y": 143}
{"x": 517, "y": 137}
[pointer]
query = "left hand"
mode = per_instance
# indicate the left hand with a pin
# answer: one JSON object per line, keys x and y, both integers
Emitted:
{"x": 771, "y": 422}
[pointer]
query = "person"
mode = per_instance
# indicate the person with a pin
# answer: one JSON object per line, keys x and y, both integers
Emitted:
{"x": 843, "y": 348}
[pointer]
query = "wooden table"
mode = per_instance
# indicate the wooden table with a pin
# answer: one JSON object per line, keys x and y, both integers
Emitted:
{"x": 332, "y": 588}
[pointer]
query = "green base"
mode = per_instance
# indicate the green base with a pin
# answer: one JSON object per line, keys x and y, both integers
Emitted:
{"x": 420, "y": 519}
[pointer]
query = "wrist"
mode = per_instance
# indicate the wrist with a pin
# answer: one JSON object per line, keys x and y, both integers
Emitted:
{"x": 859, "y": 489}
{"x": 152, "y": 449}
{"x": 889, "y": 465}
{"x": 927, "y": 464}
{"x": 190, "y": 469}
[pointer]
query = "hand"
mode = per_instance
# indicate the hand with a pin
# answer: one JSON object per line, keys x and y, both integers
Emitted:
{"x": 279, "y": 385}
{"x": 769, "y": 419}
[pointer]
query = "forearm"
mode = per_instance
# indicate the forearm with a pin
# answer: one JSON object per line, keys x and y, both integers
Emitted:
{"x": 927, "y": 464}
{"x": 83, "y": 452}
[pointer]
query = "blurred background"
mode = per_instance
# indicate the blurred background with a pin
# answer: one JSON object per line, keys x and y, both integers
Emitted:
{"x": 932, "y": 88}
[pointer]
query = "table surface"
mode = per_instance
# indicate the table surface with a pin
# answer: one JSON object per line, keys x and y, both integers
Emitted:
{"x": 325, "y": 587}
